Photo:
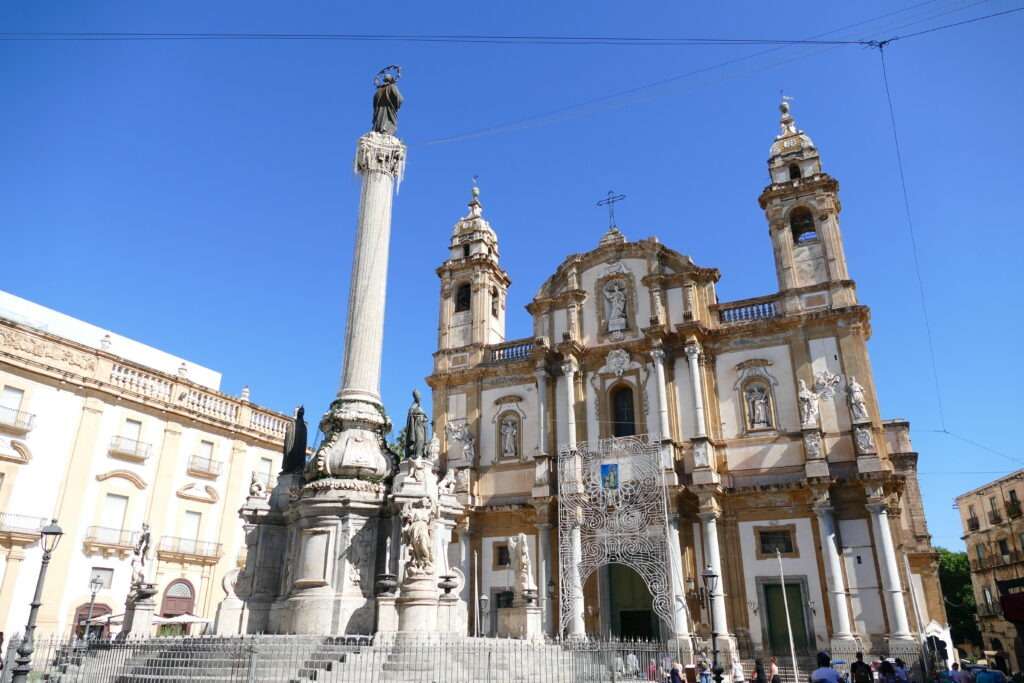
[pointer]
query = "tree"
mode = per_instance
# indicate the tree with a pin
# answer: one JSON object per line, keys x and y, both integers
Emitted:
{"x": 955, "y": 579}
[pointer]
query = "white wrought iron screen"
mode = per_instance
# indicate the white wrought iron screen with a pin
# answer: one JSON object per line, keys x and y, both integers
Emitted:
{"x": 613, "y": 491}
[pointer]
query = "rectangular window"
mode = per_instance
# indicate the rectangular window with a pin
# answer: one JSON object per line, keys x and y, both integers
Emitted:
{"x": 770, "y": 539}
{"x": 104, "y": 574}
{"x": 1004, "y": 547}
{"x": 1013, "y": 496}
{"x": 115, "y": 508}
{"x": 190, "y": 526}
{"x": 980, "y": 550}
{"x": 987, "y": 592}
{"x": 132, "y": 429}
{"x": 502, "y": 556}
{"x": 206, "y": 450}
{"x": 992, "y": 504}
{"x": 11, "y": 398}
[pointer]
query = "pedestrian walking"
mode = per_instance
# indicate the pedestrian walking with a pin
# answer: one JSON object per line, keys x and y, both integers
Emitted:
{"x": 737, "y": 671}
{"x": 773, "y": 670}
{"x": 759, "y": 676}
{"x": 825, "y": 673}
{"x": 676, "y": 675}
{"x": 860, "y": 671}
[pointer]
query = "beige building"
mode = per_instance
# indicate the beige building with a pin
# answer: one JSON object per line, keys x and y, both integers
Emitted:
{"x": 994, "y": 536}
{"x": 103, "y": 433}
{"x": 764, "y": 410}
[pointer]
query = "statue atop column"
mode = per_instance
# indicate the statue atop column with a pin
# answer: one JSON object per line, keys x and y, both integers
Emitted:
{"x": 387, "y": 100}
{"x": 415, "y": 429}
{"x": 295, "y": 444}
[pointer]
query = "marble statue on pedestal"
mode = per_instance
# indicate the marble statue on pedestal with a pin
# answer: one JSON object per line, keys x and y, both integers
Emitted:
{"x": 858, "y": 403}
{"x": 295, "y": 444}
{"x": 415, "y": 429}
{"x": 522, "y": 569}
{"x": 417, "y": 536}
{"x": 140, "y": 555}
{"x": 808, "y": 406}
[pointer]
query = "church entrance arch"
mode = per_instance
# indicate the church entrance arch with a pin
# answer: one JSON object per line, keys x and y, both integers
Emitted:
{"x": 612, "y": 510}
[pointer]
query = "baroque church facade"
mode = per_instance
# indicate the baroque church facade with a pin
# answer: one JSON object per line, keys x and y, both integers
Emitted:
{"x": 763, "y": 412}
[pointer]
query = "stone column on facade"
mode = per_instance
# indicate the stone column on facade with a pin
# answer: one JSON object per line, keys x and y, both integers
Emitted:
{"x": 576, "y": 627}
{"x": 569, "y": 370}
{"x": 465, "y": 565}
{"x": 544, "y": 574}
{"x": 355, "y": 423}
{"x": 834, "y": 572}
{"x": 680, "y": 623}
{"x": 899, "y": 626}
{"x": 542, "y": 409}
{"x": 665, "y": 431}
{"x": 12, "y": 568}
{"x": 692, "y": 357}
{"x": 713, "y": 558}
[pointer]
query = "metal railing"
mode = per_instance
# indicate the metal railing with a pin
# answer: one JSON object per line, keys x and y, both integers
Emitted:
{"x": 16, "y": 419}
{"x": 741, "y": 312}
{"x": 1013, "y": 509}
{"x": 101, "y": 535}
{"x": 134, "y": 448}
{"x": 511, "y": 351}
{"x": 188, "y": 546}
{"x": 204, "y": 465}
{"x": 994, "y": 517}
{"x": 349, "y": 659}
{"x": 973, "y": 523}
{"x": 989, "y": 610}
{"x": 24, "y": 523}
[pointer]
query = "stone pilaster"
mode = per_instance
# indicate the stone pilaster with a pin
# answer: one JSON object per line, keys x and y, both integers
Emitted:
{"x": 899, "y": 625}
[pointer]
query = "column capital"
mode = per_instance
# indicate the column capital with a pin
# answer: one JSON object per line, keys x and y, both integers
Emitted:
{"x": 380, "y": 153}
{"x": 569, "y": 366}
{"x": 657, "y": 355}
{"x": 692, "y": 348}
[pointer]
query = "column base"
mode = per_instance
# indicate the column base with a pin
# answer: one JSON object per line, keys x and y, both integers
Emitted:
{"x": 418, "y": 604}
{"x": 524, "y": 622}
{"x": 353, "y": 445}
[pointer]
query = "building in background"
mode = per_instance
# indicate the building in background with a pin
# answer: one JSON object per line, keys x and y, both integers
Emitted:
{"x": 765, "y": 411}
{"x": 104, "y": 433}
{"x": 994, "y": 536}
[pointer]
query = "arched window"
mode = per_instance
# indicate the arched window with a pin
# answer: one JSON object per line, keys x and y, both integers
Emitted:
{"x": 465, "y": 251}
{"x": 794, "y": 171}
{"x": 463, "y": 295}
{"x": 494, "y": 301}
{"x": 801, "y": 223}
{"x": 623, "y": 415}
{"x": 96, "y": 630}
{"x": 179, "y": 598}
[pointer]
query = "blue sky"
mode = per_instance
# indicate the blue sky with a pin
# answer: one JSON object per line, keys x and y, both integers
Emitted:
{"x": 198, "y": 196}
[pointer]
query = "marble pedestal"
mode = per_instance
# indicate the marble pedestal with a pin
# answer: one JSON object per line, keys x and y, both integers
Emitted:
{"x": 418, "y": 604}
{"x": 228, "y": 621}
{"x": 138, "y": 612}
{"x": 387, "y": 614}
{"x": 452, "y": 616}
{"x": 525, "y": 622}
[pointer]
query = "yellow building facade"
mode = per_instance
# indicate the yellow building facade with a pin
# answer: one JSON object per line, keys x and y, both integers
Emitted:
{"x": 103, "y": 434}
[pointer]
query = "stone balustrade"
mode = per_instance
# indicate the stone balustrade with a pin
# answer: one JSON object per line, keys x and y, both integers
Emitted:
{"x": 23, "y": 523}
{"x": 131, "y": 449}
{"x": 747, "y": 311}
{"x": 66, "y": 359}
{"x": 114, "y": 538}
{"x": 203, "y": 466}
{"x": 510, "y": 351}
{"x": 18, "y": 421}
{"x": 176, "y": 547}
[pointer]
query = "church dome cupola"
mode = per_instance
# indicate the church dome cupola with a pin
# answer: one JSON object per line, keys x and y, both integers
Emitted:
{"x": 793, "y": 155}
{"x": 472, "y": 234}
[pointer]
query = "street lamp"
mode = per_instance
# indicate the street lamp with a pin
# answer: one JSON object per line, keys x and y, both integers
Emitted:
{"x": 94, "y": 587}
{"x": 710, "y": 579}
{"x": 484, "y": 614}
{"x": 49, "y": 537}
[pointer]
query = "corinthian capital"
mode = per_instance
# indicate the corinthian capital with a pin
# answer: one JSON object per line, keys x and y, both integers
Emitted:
{"x": 692, "y": 349}
{"x": 569, "y": 367}
{"x": 658, "y": 355}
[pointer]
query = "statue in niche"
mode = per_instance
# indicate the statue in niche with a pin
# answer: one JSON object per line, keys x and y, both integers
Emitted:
{"x": 808, "y": 406}
{"x": 863, "y": 440}
{"x": 615, "y": 306}
{"x": 386, "y": 100}
{"x": 758, "y": 409}
{"x": 509, "y": 437}
{"x": 140, "y": 555}
{"x": 256, "y": 486}
{"x": 415, "y": 429}
{"x": 460, "y": 432}
{"x": 295, "y": 444}
{"x": 858, "y": 403}
{"x": 417, "y": 517}
{"x": 522, "y": 571}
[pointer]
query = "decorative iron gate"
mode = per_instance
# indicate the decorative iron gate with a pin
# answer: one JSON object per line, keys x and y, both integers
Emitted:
{"x": 613, "y": 491}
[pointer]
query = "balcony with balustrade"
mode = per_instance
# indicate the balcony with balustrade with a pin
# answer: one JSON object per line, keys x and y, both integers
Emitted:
{"x": 19, "y": 529}
{"x": 989, "y": 610}
{"x": 129, "y": 449}
{"x": 747, "y": 310}
{"x": 188, "y": 550}
{"x": 17, "y": 422}
{"x": 201, "y": 466}
{"x": 510, "y": 351}
{"x": 994, "y": 517}
{"x": 973, "y": 523}
{"x": 107, "y": 541}
{"x": 1013, "y": 509}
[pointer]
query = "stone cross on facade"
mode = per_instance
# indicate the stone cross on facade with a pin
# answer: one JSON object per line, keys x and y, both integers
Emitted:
{"x": 610, "y": 200}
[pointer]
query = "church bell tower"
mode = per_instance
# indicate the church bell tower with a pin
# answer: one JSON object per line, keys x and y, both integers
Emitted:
{"x": 473, "y": 287}
{"x": 802, "y": 206}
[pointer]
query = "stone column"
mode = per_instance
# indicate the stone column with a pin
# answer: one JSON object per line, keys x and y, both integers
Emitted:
{"x": 569, "y": 370}
{"x": 355, "y": 423}
{"x": 834, "y": 572}
{"x": 692, "y": 355}
{"x": 542, "y": 409}
{"x": 899, "y": 626}
{"x": 544, "y": 574}
{"x": 678, "y": 585}
{"x": 15, "y": 556}
{"x": 665, "y": 435}
{"x": 465, "y": 553}
{"x": 709, "y": 523}
{"x": 576, "y": 627}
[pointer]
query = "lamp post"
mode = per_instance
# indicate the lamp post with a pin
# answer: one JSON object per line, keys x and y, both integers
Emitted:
{"x": 48, "y": 539}
{"x": 94, "y": 587}
{"x": 710, "y": 579}
{"x": 485, "y": 617}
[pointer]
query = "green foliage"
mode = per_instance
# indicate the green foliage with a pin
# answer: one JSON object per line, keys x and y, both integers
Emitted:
{"x": 955, "y": 579}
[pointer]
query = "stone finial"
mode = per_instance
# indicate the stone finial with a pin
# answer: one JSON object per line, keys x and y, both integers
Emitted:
{"x": 612, "y": 236}
{"x": 787, "y": 124}
{"x": 476, "y": 209}
{"x": 245, "y": 393}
